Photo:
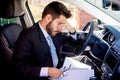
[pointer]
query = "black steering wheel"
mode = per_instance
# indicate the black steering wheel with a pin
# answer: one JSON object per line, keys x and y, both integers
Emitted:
{"x": 85, "y": 37}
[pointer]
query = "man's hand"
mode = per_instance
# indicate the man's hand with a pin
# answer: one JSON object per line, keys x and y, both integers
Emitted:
{"x": 69, "y": 27}
{"x": 54, "y": 72}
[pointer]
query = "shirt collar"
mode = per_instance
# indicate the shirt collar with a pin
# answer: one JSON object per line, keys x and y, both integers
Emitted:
{"x": 44, "y": 32}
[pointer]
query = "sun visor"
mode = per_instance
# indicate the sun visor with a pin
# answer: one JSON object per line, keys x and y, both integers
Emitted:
{"x": 10, "y": 8}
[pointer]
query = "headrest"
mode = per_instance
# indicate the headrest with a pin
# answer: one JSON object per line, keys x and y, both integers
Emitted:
{"x": 10, "y": 8}
{"x": 11, "y": 33}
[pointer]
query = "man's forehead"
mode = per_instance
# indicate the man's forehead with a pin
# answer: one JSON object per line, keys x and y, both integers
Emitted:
{"x": 62, "y": 20}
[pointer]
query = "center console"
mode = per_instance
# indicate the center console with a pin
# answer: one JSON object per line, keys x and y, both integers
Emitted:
{"x": 111, "y": 63}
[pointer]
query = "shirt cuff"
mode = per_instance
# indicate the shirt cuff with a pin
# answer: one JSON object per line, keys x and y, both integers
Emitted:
{"x": 74, "y": 36}
{"x": 72, "y": 33}
{"x": 44, "y": 71}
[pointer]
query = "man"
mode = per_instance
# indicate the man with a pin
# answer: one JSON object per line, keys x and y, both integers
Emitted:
{"x": 33, "y": 57}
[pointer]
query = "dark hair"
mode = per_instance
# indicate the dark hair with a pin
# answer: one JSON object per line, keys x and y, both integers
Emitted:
{"x": 56, "y": 9}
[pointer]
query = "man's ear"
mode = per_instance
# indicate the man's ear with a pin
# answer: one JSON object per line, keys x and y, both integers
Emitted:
{"x": 48, "y": 18}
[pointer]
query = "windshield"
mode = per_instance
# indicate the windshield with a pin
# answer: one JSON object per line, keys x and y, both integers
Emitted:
{"x": 107, "y": 7}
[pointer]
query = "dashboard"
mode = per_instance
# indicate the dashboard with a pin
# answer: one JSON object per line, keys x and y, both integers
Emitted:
{"x": 105, "y": 47}
{"x": 110, "y": 34}
{"x": 111, "y": 63}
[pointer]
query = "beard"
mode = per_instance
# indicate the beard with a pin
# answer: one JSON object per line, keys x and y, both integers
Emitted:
{"x": 48, "y": 28}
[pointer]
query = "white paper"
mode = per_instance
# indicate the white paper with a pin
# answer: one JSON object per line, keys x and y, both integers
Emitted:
{"x": 74, "y": 64}
{"x": 77, "y": 71}
{"x": 77, "y": 74}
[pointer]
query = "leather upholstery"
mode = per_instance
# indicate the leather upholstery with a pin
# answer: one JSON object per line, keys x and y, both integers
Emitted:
{"x": 8, "y": 36}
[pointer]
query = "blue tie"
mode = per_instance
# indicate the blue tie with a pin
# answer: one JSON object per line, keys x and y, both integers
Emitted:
{"x": 53, "y": 51}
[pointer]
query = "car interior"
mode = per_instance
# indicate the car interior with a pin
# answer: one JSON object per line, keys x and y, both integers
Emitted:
{"x": 8, "y": 36}
{"x": 103, "y": 52}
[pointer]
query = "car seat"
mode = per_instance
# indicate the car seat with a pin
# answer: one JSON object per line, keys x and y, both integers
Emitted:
{"x": 8, "y": 36}
{"x": 10, "y": 9}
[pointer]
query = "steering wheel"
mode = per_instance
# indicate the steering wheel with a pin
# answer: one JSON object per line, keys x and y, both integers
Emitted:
{"x": 84, "y": 38}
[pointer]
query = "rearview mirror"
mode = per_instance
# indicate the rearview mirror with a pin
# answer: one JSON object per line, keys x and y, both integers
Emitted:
{"x": 113, "y": 4}
{"x": 116, "y": 7}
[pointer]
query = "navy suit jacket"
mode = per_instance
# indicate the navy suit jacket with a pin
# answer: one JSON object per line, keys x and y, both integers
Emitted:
{"x": 32, "y": 52}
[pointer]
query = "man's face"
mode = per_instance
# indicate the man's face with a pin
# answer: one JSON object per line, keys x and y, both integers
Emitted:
{"x": 56, "y": 25}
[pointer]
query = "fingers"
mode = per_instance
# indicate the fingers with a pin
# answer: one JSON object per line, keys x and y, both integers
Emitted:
{"x": 54, "y": 72}
{"x": 68, "y": 26}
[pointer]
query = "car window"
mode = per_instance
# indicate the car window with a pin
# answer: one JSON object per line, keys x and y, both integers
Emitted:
{"x": 78, "y": 20}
